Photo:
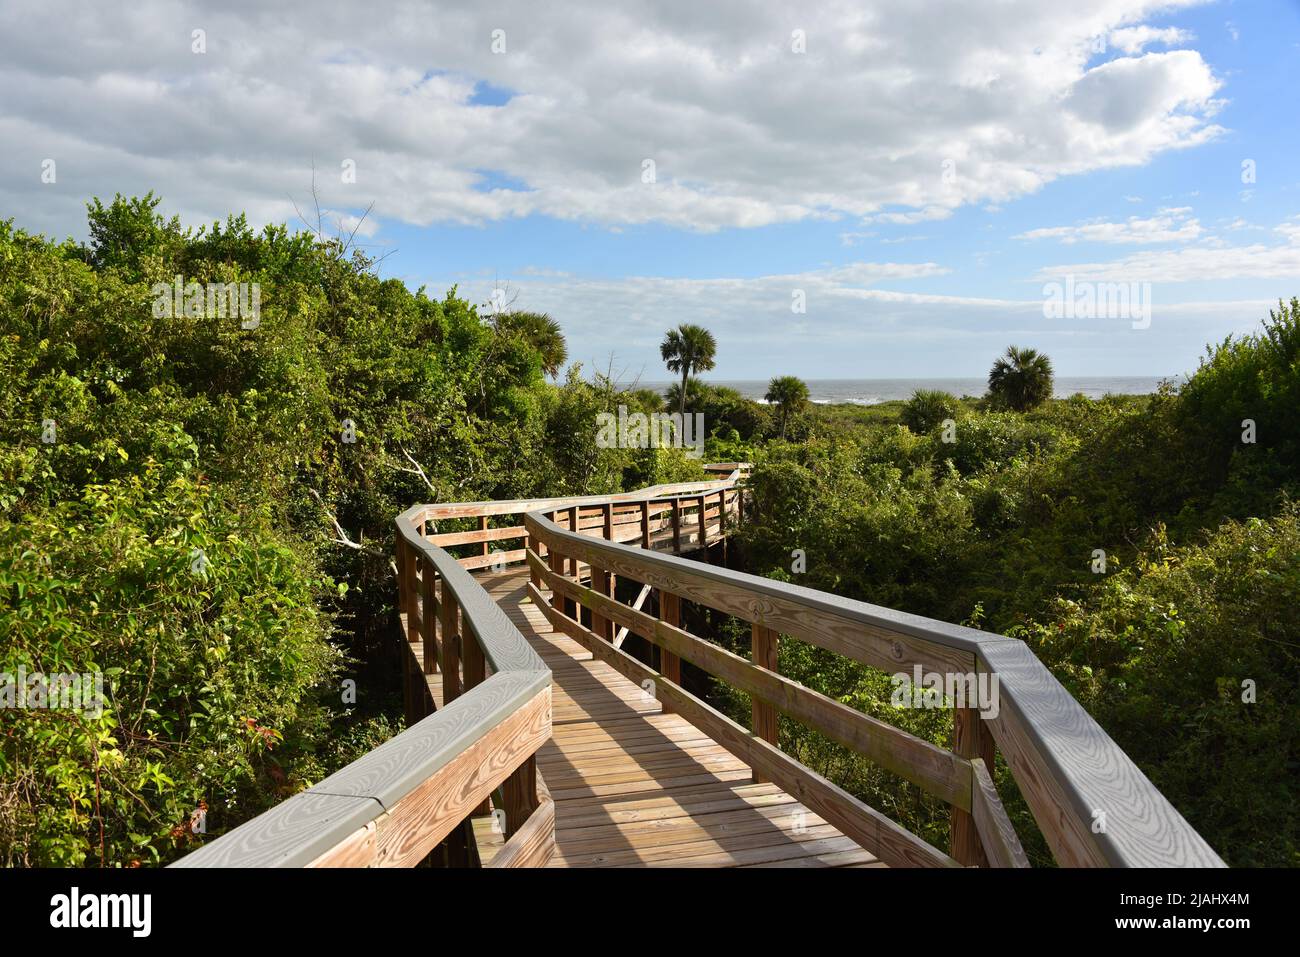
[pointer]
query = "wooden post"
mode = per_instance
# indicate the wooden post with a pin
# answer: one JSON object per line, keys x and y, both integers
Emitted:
{"x": 556, "y": 561}
{"x": 609, "y": 581}
{"x": 536, "y": 547}
{"x": 519, "y": 795}
{"x": 763, "y": 643}
{"x": 483, "y": 527}
{"x": 600, "y": 625}
{"x": 969, "y": 740}
{"x": 670, "y": 613}
{"x": 645, "y": 524}
{"x": 450, "y": 645}
{"x": 474, "y": 663}
{"x": 677, "y": 526}
{"x": 570, "y": 605}
{"x": 428, "y": 621}
{"x": 408, "y": 589}
{"x": 704, "y": 529}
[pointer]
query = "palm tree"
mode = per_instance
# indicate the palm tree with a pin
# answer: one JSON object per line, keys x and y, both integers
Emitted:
{"x": 541, "y": 332}
{"x": 788, "y": 393}
{"x": 697, "y": 394}
{"x": 1021, "y": 380}
{"x": 687, "y": 349}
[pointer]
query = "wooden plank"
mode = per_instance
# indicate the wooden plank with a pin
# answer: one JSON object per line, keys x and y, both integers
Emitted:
{"x": 968, "y": 741}
{"x": 636, "y": 606}
{"x": 428, "y": 619}
{"x": 533, "y": 844}
{"x": 450, "y": 610}
{"x": 999, "y": 840}
{"x": 670, "y": 613}
{"x": 448, "y": 539}
{"x": 763, "y": 649}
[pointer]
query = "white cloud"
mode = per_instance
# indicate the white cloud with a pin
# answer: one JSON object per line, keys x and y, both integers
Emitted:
{"x": 1168, "y": 225}
{"x": 743, "y": 131}
{"x": 1135, "y": 39}
{"x": 1212, "y": 259}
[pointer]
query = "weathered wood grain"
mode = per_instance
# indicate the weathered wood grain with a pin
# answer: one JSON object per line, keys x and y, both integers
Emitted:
{"x": 997, "y": 837}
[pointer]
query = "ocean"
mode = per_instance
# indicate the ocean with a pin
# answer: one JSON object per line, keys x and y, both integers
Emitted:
{"x": 872, "y": 391}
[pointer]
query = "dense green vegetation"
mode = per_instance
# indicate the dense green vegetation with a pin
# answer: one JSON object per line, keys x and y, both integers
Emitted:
{"x": 202, "y": 511}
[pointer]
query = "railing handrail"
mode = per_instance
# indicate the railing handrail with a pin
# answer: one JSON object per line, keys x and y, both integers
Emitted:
{"x": 300, "y": 830}
{"x": 524, "y": 505}
{"x": 1093, "y": 804}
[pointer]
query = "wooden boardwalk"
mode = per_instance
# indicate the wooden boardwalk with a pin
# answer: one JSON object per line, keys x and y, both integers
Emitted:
{"x": 591, "y": 771}
{"x": 634, "y": 786}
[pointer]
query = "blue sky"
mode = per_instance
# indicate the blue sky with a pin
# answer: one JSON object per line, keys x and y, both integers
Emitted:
{"x": 820, "y": 170}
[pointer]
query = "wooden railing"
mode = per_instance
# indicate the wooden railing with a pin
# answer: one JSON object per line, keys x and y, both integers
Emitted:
{"x": 391, "y": 807}
{"x": 1092, "y": 804}
{"x": 396, "y": 803}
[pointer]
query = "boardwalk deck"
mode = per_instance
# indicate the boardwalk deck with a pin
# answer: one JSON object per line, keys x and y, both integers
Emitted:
{"x": 634, "y": 786}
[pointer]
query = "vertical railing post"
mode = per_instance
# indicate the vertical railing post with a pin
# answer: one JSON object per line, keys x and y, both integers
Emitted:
{"x": 556, "y": 562}
{"x": 600, "y": 625}
{"x": 670, "y": 613}
{"x": 535, "y": 546}
{"x": 483, "y": 527}
{"x": 574, "y": 518}
{"x": 519, "y": 796}
{"x": 410, "y": 590}
{"x": 677, "y": 526}
{"x": 763, "y": 643}
{"x": 450, "y": 614}
{"x": 970, "y": 739}
{"x": 609, "y": 583}
{"x": 475, "y": 666}
{"x": 645, "y": 523}
{"x": 704, "y": 528}
{"x": 428, "y": 621}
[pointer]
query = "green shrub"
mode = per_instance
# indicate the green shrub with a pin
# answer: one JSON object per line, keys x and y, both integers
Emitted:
{"x": 927, "y": 408}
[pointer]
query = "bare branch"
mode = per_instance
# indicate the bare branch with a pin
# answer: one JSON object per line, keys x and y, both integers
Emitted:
{"x": 417, "y": 470}
{"x": 343, "y": 538}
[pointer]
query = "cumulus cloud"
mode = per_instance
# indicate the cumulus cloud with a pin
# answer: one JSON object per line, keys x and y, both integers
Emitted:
{"x": 897, "y": 111}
